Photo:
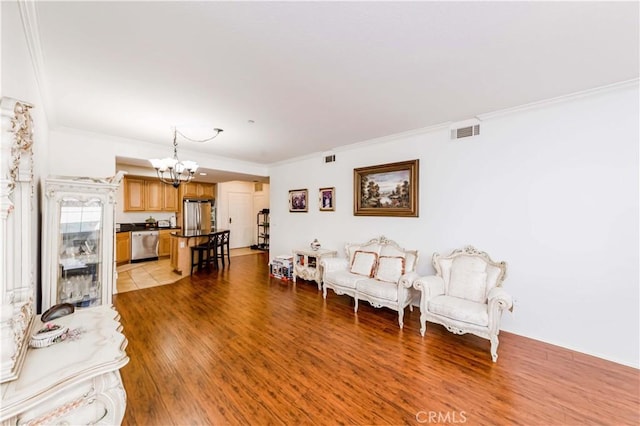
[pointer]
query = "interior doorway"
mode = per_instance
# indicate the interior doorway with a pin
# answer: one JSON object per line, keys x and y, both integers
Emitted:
{"x": 241, "y": 220}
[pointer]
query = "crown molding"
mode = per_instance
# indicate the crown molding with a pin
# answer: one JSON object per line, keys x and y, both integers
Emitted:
{"x": 29, "y": 17}
{"x": 560, "y": 99}
{"x": 366, "y": 143}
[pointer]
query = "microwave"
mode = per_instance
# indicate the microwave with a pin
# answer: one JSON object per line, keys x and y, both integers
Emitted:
{"x": 164, "y": 224}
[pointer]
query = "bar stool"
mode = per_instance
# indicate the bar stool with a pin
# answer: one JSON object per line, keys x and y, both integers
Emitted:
{"x": 223, "y": 238}
{"x": 204, "y": 254}
{"x": 212, "y": 252}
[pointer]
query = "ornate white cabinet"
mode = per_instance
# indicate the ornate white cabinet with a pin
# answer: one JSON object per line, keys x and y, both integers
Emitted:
{"x": 306, "y": 264}
{"x": 76, "y": 381}
{"x": 78, "y": 244}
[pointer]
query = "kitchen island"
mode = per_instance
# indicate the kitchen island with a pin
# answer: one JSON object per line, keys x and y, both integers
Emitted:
{"x": 181, "y": 243}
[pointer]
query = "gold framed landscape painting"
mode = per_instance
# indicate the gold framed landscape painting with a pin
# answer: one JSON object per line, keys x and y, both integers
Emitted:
{"x": 386, "y": 190}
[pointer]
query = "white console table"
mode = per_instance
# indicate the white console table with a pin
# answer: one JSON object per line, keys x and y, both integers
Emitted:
{"x": 76, "y": 381}
{"x": 306, "y": 264}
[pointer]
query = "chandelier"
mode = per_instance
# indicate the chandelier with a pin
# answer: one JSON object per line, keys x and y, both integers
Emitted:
{"x": 171, "y": 170}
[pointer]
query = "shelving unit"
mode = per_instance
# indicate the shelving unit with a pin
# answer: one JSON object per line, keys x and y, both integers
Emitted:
{"x": 263, "y": 229}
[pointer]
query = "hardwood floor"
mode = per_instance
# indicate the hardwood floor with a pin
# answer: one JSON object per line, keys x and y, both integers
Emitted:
{"x": 236, "y": 347}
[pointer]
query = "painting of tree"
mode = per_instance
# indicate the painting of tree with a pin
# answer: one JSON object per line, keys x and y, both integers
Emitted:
{"x": 387, "y": 190}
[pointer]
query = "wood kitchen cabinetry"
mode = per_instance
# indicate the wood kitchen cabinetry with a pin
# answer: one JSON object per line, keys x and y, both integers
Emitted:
{"x": 198, "y": 190}
{"x": 123, "y": 247}
{"x": 164, "y": 242}
{"x": 153, "y": 195}
{"x": 134, "y": 195}
{"x": 170, "y": 199}
{"x": 149, "y": 194}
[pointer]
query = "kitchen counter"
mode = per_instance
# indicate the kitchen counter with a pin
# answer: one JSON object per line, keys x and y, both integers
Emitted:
{"x": 181, "y": 243}
{"x": 148, "y": 229}
{"x": 193, "y": 234}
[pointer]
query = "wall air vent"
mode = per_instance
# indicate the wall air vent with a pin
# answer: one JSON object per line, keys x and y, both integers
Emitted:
{"x": 329, "y": 158}
{"x": 465, "y": 129}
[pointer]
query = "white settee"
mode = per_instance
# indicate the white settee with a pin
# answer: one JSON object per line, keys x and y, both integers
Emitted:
{"x": 465, "y": 295}
{"x": 378, "y": 271}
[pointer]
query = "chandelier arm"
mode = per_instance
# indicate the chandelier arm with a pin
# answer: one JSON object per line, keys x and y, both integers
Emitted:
{"x": 216, "y": 130}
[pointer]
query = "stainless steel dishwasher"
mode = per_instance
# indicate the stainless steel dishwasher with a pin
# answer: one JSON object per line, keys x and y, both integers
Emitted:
{"x": 144, "y": 245}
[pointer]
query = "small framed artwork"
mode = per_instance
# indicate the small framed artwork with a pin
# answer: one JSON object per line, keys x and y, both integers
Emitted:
{"x": 386, "y": 190}
{"x": 298, "y": 200}
{"x": 327, "y": 199}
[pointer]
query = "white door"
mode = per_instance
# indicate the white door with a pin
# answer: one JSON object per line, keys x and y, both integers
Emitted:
{"x": 241, "y": 219}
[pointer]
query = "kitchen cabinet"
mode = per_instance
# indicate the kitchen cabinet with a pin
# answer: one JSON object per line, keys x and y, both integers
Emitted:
{"x": 164, "y": 242}
{"x": 149, "y": 194}
{"x": 170, "y": 200}
{"x": 77, "y": 253}
{"x": 198, "y": 190}
{"x": 153, "y": 195}
{"x": 123, "y": 247}
{"x": 134, "y": 195}
{"x": 174, "y": 247}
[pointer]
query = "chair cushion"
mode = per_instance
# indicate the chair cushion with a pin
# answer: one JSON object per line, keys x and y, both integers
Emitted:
{"x": 390, "y": 268}
{"x": 410, "y": 260}
{"x": 364, "y": 263}
{"x": 460, "y": 309}
{"x": 379, "y": 289}
{"x": 343, "y": 278}
{"x": 468, "y": 279}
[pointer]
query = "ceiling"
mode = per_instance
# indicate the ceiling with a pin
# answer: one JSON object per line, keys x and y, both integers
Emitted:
{"x": 313, "y": 76}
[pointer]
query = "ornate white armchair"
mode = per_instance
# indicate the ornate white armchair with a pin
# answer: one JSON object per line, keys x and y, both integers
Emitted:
{"x": 465, "y": 295}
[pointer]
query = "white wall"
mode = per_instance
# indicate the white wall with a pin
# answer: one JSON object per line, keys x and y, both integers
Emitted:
{"x": 78, "y": 153}
{"x": 552, "y": 190}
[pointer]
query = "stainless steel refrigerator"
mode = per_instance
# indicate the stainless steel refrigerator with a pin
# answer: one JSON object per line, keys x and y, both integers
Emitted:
{"x": 197, "y": 214}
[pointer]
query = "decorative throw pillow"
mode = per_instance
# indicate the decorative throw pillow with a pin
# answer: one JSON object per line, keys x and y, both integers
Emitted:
{"x": 390, "y": 268}
{"x": 468, "y": 279}
{"x": 364, "y": 263}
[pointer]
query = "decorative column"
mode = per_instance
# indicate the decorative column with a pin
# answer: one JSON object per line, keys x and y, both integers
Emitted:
{"x": 17, "y": 278}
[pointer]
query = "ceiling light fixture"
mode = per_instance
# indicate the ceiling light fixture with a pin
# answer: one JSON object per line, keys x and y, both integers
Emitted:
{"x": 171, "y": 170}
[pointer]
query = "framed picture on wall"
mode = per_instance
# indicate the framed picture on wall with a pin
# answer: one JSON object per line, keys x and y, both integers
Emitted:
{"x": 326, "y": 199}
{"x": 298, "y": 200}
{"x": 386, "y": 190}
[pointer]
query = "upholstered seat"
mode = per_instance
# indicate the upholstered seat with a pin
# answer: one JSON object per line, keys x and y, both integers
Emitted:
{"x": 378, "y": 271}
{"x": 465, "y": 295}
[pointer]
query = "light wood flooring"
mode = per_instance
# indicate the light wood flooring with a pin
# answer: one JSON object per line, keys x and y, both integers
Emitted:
{"x": 235, "y": 347}
{"x": 136, "y": 276}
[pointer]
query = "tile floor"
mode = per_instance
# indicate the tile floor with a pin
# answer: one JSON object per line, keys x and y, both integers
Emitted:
{"x": 136, "y": 276}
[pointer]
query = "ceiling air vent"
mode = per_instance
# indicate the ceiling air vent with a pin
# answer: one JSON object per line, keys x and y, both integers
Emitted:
{"x": 465, "y": 129}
